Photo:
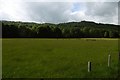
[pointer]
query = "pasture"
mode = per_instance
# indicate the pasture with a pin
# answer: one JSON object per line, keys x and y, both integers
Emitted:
{"x": 59, "y": 58}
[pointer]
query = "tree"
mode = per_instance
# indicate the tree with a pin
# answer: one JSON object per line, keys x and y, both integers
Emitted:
{"x": 57, "y": 32}
{"x": 111, "y": 34}
{"x": 106, "y": 34}
{"x": 66, "y": 33}
{"x": 44, "y": 32}
{"x": 85, "y": 31}
{"x": 24, "y": 32}
{"x": 10, "y": 31}
{"x": 75, "y": 32}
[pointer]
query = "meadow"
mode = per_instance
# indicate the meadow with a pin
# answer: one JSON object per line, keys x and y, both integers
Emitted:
{"x": 59, "y": 58}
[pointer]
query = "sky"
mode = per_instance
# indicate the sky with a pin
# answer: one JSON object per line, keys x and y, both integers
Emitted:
{"x": 60, "y": 11}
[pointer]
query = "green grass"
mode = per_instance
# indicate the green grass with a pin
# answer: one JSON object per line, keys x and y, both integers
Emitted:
{"x": 0, "y": 58}
{"x": 59, "y": 58}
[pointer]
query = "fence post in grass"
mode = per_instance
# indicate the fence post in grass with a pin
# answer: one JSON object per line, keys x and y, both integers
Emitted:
{"x": 109, "y": 60}
{"x": 89, "y": 66}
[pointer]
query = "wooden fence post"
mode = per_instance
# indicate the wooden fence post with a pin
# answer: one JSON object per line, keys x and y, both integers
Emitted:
{"x": 89, "y": 66}
{"x": 109, "y": 60}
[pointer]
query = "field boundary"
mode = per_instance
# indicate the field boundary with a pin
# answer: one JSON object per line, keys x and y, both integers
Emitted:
{"x": 91, "y": 39}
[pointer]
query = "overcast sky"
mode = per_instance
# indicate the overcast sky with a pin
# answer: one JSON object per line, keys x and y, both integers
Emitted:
{"x": 54, "y": 11}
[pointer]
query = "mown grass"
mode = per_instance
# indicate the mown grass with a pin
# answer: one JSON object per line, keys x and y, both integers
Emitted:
{"x": 59, "y": 58}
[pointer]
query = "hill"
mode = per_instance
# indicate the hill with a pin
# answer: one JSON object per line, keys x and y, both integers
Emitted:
{"x": 83, "y": 29}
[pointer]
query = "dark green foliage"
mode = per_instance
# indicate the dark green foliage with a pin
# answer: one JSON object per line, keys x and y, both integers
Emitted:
{"x": 86, "y": 31}
{"x": 76, "y": 32}
{"x": 106, "y": 34}
{"x": 66, "y": 33}
{"x": 57, "y": 32}
{"x": 113, "y": 34}
{"x": 10, "y": 31}
{"x": 44, "y": 32}
{"x": 83, "y": 29}
{"x": 24, "y": 32}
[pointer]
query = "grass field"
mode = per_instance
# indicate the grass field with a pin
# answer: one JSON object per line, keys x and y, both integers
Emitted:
{"x": 59, "y": 58}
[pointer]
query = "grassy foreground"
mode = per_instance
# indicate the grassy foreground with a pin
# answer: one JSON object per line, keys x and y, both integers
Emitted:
{"x": 59, "y": 58}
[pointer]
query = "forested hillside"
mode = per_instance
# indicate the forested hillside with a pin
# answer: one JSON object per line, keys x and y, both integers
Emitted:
{"x": 83, "y": 29}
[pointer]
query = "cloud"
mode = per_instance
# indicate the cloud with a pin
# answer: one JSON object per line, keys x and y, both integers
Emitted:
{"x": 104, "y": 11}
{"x": 13, "y": 10}
{"x": 49, "y": 12}
{"x": 119, "y": 12}
{"x": 101, "y": 12}
{"x": 57, "y": 12}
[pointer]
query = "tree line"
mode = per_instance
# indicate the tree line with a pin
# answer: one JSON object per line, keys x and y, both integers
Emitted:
{"x": 83, "y": 29}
